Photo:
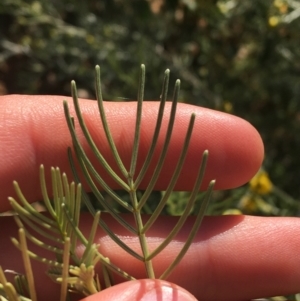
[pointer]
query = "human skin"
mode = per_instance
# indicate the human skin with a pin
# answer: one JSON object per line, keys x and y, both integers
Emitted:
{"x": 232, "y": 257}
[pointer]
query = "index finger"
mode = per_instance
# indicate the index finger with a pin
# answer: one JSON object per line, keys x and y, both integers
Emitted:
{"x": 33, "y": 131}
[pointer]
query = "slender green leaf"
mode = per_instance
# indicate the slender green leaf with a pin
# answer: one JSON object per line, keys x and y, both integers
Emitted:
{"x": 27, "y": 265}
{"x": 105, "y": 124}
{"x": 162, "y": 157}
{"x": 174, "y": 178}
{"x": 90, "y": 140}
{"x": 137, "y": 131}
{"x": 192, "y": 233}
{"x": 156, "y": 131}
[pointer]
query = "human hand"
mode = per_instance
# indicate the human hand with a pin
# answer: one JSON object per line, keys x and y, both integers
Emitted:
{"x": 232, "y": 257}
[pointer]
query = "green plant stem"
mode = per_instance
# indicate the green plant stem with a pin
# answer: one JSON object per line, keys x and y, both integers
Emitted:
{"x": 142, "y": 237}
{"x": 65, "y": 270}
{"x": 27, "y": 265}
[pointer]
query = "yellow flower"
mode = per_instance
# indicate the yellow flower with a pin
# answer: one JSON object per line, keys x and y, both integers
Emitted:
{"x": 232, "y": 212}
{"x": 282, "y": 6}
{"x": 261, "y": 183}
{"x": 273, "y": 21}
{"x": 228, "y": 108}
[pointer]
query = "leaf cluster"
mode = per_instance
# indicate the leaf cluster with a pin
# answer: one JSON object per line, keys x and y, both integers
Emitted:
{"x": 59, "y": 232}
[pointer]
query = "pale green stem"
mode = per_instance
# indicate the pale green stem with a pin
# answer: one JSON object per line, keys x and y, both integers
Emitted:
{"x": 65, "y": 270}
{"x": 27, "y": 265}
{"x": 142, "y": 236}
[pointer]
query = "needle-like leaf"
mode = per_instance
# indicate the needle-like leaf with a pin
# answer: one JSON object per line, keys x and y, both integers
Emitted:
{"x": 137, "y": 131}
{"x": 105, "y": 124}
{"x": 59, "y": 232}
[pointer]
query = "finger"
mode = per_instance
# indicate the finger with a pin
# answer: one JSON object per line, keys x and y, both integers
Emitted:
{"x": 232, "y": 257}
{"x": 34, "y": 132}
{"x": 146, "y": 290}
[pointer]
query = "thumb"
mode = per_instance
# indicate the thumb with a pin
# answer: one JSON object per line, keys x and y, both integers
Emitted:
{"x": 143, "y": 290}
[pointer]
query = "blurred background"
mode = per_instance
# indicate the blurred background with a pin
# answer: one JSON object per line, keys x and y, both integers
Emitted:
{"x": 241, "y": 57}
